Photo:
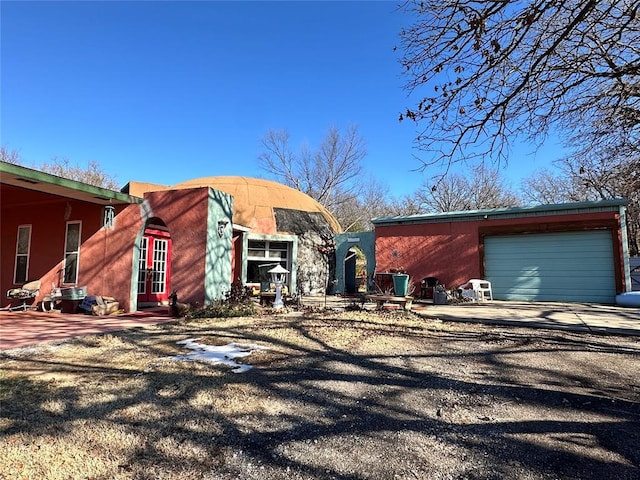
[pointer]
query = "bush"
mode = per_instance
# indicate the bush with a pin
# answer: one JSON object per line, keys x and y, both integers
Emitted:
{"x": 237, "y": 302}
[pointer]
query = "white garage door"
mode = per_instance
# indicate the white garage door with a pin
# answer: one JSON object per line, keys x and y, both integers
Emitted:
{"x": 556, "y": 267}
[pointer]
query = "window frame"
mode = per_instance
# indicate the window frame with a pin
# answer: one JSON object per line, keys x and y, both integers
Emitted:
{"x": 68, "y": 253}
{"x": 27, "y": 255}
{"x": 289, "y": 263}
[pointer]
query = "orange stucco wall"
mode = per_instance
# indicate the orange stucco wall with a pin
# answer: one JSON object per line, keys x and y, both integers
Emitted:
{"x": 453, "y": 251}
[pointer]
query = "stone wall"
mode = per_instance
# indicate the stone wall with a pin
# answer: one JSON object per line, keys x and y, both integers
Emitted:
{"x": 315, "y": 262}
{"x": 314, "y": 267}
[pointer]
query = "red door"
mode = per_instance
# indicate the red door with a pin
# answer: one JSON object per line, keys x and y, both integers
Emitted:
{"x": 154, "y": 263}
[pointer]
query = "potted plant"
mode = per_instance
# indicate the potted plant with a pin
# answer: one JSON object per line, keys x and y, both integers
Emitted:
{"x": 400, "y": 278}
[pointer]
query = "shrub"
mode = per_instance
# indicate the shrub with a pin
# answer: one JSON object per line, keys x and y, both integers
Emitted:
{"x": 237, "y": 302}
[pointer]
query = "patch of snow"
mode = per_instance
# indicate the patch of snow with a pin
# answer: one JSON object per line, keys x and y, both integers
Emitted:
{"x": 224, "y": 354}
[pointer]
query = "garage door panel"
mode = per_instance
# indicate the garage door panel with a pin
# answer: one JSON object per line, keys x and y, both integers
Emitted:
{"x": 566, "y": 266}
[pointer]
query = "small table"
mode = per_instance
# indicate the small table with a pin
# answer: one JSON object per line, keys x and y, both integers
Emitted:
{"x": 404, "y": 302}
{"x": 267, "y": 298}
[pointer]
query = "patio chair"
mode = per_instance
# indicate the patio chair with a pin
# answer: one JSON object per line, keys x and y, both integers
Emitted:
{"x": 28, "y": 291}
{"x": 477, "y": 289}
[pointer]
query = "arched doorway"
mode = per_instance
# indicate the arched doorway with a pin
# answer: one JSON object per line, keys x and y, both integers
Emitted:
{"x": 355, "y": 252}
{"x": 355, "y": 271}
{"x": 154, "y": 264}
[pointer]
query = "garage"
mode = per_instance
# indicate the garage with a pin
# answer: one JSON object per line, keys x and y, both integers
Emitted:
{"x": 560, "y": 267}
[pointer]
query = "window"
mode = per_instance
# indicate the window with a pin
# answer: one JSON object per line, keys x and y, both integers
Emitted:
{"x": 72, "y": 252}
{"x": 23, "y": 246}
{"x": 142, "y": 266}
{"x": 268, "y": 254}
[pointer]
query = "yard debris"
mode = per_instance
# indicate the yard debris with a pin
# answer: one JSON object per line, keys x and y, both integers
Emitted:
{"x": 99, "y": 305}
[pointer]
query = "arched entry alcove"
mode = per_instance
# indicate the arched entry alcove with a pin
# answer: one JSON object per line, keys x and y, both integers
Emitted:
{"x": 355, "y": 271}
{"x": 352, "y": 250}
{"x": 154, "y": 264}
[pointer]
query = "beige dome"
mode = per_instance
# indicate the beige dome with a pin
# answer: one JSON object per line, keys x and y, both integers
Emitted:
{"x": 254, "y": 200}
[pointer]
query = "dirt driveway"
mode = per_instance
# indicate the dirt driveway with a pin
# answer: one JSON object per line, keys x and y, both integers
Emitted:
{"x": 353, "y": 395}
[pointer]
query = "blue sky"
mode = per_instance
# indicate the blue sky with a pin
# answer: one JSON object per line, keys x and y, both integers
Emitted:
{"x": 169, "y": 91}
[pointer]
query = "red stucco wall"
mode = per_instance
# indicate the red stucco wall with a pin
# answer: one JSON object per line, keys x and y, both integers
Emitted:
{"x": 106, "y": 255}
{"x": 453, "y": 251}
{"x": 185, "y": 213}
{"x": 48, "y": 216}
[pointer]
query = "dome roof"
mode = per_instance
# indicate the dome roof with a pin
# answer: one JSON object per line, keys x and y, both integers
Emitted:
{"x": 254, "y": 200}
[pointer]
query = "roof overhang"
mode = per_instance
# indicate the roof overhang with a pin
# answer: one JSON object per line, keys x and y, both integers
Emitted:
{"x": 507, "y": 212}
{"x": 29, "y": 179}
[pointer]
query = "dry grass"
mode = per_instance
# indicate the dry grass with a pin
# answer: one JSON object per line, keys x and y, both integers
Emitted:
{"x": 353, "y": 395}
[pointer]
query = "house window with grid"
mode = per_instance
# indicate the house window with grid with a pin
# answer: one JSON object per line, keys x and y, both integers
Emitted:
{"x": 266, "y": 253}
{"x": 72, "y": 253}
{"x": 23, "y": 247}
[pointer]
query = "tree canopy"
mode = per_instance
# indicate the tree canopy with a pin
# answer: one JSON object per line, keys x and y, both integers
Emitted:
{"x": 481, "y": 188}
{"x": 332, "y": 173}
{"x": 488, "y": 72}
{"x": 92, "y": 174}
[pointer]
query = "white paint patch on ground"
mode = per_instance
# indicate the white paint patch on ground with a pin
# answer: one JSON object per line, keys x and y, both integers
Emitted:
{"x": 220, "y": 355}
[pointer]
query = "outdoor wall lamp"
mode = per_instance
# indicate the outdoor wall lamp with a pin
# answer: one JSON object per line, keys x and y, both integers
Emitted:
{"x": 222, "y": 224}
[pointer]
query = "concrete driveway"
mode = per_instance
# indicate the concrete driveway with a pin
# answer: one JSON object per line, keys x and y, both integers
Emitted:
{"x": 585, "y": 317}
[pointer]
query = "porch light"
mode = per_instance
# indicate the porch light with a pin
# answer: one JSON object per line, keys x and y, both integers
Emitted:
{"x": 222, "y": 224}
{"x": 278, "y": 276}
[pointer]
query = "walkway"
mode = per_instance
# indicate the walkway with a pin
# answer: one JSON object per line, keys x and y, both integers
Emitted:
{"x": 20, "y": 329}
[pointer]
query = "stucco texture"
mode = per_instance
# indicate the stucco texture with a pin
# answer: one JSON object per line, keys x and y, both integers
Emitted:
{"x": 253, "y": 200}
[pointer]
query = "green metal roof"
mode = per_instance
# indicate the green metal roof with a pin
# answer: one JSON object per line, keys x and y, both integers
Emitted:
{"x": 27, "y": 178}
{"x": 507, "y": 212}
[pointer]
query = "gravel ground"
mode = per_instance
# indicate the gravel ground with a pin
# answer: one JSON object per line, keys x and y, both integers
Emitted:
{"x": 351, "y": 396}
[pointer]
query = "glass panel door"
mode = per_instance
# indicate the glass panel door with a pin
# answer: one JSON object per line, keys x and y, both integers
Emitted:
{"x": 154, "y": 267}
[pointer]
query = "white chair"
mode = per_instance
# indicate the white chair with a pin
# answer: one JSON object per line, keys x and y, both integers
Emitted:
{"x": 477, "y": 289}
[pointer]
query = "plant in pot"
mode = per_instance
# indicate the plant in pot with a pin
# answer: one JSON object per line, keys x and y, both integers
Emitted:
{"x": 400, "y": 277}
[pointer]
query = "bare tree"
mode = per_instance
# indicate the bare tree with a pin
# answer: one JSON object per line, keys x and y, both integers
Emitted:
{"x": 452, "y": 194}
{"x": 330, "y": 174}
{"x": 590, "y": 177}
{"x": 545, "y": 187}
{"x": 607, "y": 177}
{"x": 483, "y": 188}
{"x": 10, "y": 156}
{"x": 405, "y": 205}
{"x": 488, "y": 72}
{"x": 355, "y": 214}
{"x": 93, "y": 174}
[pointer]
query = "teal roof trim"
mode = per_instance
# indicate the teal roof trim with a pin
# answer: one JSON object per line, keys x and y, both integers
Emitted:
{"x": 36, "y": 180}
{"x": 507, "y": 212}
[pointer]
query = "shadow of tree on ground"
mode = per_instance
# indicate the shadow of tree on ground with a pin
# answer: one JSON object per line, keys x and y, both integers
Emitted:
{"x": 352, "y": 396}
